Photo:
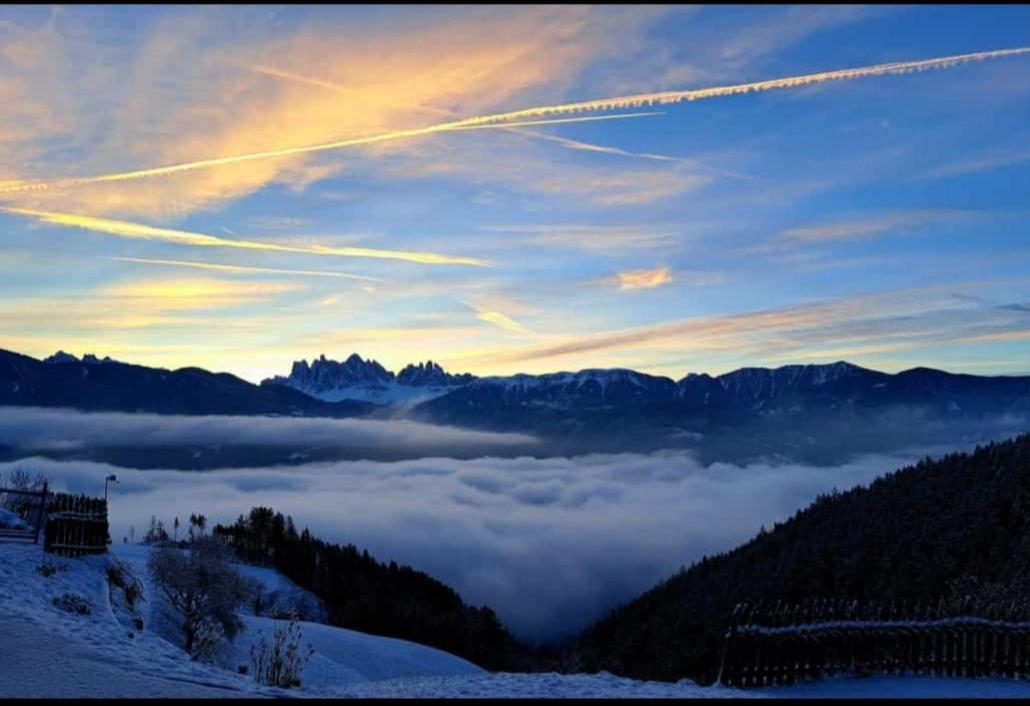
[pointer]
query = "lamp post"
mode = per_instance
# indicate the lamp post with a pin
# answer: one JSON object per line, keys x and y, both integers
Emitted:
{"x": 112, "y": 478}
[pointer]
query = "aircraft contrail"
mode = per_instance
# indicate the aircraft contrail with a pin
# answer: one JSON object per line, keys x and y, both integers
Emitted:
{"x": 43, "y": 185}
{"x": 503, "y": 120}
{"x": 671, "y": 97}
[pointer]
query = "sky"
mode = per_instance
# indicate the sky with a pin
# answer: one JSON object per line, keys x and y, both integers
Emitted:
{"x": 880, "y": 219}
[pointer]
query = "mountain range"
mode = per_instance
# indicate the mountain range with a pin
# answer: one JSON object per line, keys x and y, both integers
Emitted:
{"x": 814, "y": 412}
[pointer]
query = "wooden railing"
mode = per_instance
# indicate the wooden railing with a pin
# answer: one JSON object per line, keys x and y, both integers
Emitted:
{"x": 785, "y": 643}
{"x": 76, "y": 525}
{"x": 30, "y": 506}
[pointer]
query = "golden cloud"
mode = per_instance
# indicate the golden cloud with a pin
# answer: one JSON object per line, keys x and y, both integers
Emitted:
{"x": 125, "y": 229}
{"x": 644, "y": 279}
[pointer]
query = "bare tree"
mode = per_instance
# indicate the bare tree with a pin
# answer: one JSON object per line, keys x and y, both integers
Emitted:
{"x": 20, "y": 479}
{"x": 204, "y": 589}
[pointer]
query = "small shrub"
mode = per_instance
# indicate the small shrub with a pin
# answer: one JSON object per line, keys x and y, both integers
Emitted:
{"x": 282, "y": 662}
{"x": 47, "y": 569}
{"x": 73, "y": 604}
{"x": 119, "y": 576}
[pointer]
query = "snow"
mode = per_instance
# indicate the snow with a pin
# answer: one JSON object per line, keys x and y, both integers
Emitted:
{"x": 103, "y": 654}
{"x": 380, "y": 393}
{"x": 11, "y": 520}
{"x": 902, "y": 687}
{"x": 548, "y": 685}
{"x": 93, "y": 655}
{"x": 72, "y": 669}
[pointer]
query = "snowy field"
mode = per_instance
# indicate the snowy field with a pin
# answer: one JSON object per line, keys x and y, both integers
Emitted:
{"x": 47, "y": 651}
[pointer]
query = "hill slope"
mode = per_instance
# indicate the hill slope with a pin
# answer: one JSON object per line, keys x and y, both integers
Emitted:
{"x": 91, "y": 384}
{"x": 917, "y": 533}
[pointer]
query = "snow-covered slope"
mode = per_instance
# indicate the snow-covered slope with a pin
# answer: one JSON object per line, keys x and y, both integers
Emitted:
{"x": 341, "y": 656}
{"x": 108, "y": 655}
{"x": 47, "y": 651}
{"x": 96, "y": 653}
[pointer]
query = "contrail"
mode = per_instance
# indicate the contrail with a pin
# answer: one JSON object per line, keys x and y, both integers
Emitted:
{"x": 138, "y": 231}
{"x": 672, "y": 97}
{"x": 503, "y": 120}
{"x": 43, "y": 185}
{"x": 241, "y": 268}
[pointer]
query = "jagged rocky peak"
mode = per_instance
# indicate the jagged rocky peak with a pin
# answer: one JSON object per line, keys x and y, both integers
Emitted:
{"x": 430, "y": 374}
{"x": 327, "y": 374}
{"x": 61, "y": 357}
{"x": 88, "y": 359}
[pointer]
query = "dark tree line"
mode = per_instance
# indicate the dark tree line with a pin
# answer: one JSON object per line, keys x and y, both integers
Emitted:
{"x": 361, "y": 593}
{"x": 959, "y": 525}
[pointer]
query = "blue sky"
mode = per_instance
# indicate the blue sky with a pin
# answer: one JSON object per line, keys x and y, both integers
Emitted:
{"x": 881, "y": 220}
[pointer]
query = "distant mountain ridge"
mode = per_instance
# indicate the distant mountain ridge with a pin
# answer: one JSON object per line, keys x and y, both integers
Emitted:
{"x": 816, "y": 413}
{"x": 62, "y": 380}
{"x": 335, "y": 388}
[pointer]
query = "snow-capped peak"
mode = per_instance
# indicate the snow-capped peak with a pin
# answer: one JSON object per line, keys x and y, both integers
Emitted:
{"x": 365, "y": 379}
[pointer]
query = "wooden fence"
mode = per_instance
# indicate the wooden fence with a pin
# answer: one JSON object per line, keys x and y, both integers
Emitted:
{"x": 30, "y": 507}
{"x": 76, "y": 525}
{"x": 780, "y": 643}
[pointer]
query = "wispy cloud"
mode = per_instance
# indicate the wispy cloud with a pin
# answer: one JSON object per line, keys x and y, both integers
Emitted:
{"x": 856, "y": 228}
{"x": 594, "y": 238}
{"x": 192, "y": 293}
{"x": 243, "y": 269}
{"x": 502, "y": 321}
{"x": 125, "y": 229}
{"x": 979, "y": 163}
{"x": 924, "y": 317}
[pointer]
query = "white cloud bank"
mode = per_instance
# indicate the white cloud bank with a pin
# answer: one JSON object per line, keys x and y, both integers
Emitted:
{"x": 551, "y": 544}
{"x": 53, "y": 429}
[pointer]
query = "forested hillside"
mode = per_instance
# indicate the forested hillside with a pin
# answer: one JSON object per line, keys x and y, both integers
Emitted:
{"x": 361, "y": 593}
{"x": 957, "y": 524}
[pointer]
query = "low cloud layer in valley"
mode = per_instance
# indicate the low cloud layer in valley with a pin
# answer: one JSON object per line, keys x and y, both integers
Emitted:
{"x": 56, "y": 430}
{"x": 551, "y": 544}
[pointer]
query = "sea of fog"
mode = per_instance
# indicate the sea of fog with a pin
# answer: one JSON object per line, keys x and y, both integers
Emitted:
{"x": 550, "y": 543}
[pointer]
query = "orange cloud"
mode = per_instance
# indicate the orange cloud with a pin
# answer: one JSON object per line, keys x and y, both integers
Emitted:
{"x": 644, "y": 279}
{"x": 463, "y": 63}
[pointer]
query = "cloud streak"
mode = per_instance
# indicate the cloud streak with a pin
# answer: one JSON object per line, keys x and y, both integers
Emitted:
{"x": 137, "y": 231}
{"x": 44, "y": 185}
{"x": 243, "y": 269}
{"x": 502, "y": 321}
